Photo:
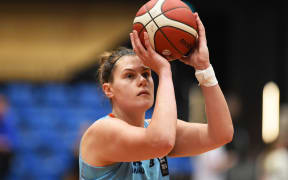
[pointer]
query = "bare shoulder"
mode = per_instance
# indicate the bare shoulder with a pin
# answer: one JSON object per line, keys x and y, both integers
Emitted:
{"x": 113, "y": 140}
{"x": 98, "y": 135}
{"x": 103, "y": 125}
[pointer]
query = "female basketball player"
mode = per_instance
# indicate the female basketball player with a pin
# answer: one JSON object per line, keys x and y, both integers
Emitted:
{"x": 123, "y": 145}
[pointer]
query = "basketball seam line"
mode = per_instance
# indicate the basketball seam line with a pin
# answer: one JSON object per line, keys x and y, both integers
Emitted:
{"x": 171, "y": 9}
{"x": 163, "y": 33}
{"x": 174, "y": 19}
{"x": 179, "y": 29}
{"x": 160, "y": 15}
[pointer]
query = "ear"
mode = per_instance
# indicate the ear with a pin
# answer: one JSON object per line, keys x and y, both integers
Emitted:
{"x": 107, "y": 90}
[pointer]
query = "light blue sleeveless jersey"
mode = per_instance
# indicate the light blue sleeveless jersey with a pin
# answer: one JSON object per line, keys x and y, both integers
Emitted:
{"x": 153, "y": 169}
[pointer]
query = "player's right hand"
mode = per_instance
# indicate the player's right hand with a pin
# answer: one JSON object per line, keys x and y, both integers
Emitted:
{"x": 149, "y": 56}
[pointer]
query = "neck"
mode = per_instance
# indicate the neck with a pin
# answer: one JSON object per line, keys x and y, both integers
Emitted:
{"x": 135, "y": 118}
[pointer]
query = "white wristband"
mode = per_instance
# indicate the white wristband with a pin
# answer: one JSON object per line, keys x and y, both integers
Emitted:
{"x": 206, "y": 77}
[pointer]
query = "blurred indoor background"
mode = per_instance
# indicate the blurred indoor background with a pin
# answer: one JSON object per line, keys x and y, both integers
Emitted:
{"x": 49, "y": 54}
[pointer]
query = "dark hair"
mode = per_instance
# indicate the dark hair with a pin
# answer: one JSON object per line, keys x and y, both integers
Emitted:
{"x": 108, "y": 61}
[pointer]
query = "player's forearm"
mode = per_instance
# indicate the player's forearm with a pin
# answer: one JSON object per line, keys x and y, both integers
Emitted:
{"x": 220, "y": 127}
{"x": 163, "y": 122}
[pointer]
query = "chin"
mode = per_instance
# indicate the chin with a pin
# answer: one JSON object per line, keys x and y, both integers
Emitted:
{"x": 145, "y": 105}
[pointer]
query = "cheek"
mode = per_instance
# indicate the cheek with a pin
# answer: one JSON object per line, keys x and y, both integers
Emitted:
{"x": 124, "y": 91}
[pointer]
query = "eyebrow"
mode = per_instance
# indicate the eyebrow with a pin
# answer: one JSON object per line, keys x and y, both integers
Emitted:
{"x": 142, "y": 68}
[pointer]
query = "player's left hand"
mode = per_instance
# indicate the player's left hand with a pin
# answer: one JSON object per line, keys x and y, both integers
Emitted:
{"x": 199, "y": 57}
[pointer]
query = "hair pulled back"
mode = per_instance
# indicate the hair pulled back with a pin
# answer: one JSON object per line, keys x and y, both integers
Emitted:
{"x": 108, "y": 61}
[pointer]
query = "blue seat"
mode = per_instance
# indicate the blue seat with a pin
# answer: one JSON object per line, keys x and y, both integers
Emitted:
{"x": 28, "y": 119}
{"x": 23, "y": 165}
{"x": 53, "y": 94}
{"x": 29, "y": 141}
{"x": 50, "y": 126}
{"x": 87, "y": 94}
{"x": 20, "y": 94}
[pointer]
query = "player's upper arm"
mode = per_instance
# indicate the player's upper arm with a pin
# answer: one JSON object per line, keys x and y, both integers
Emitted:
{"x": 113, "y": 140}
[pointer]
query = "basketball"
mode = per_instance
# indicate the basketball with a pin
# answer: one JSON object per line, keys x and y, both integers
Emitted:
{"x": 171, "y": 27}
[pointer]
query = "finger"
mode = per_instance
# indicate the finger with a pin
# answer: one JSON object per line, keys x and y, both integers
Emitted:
{"x": 195, "y": 15}
{"x": 202, "y": 33}
{"x": 132, "y": 41}
{"x": 136, "y": 50}
{"x": 138, "y": 46}
{"x": 147, "y": 42}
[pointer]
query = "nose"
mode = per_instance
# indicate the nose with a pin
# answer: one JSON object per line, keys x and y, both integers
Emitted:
{"x": 142, "y": 81}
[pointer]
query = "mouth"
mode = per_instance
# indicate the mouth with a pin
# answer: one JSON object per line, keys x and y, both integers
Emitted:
{"x": 143, "y": 92}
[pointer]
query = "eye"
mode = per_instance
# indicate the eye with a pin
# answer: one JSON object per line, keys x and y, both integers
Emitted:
{"x": 146, "y": 74}
{"x": 130, "y": 75}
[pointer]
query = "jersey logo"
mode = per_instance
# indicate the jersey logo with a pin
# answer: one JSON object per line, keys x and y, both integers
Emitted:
{"x": 164, "y": 166}
{"x": 137, "y": 168}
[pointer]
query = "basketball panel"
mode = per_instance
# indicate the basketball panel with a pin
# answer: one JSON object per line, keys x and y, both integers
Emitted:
{"x": 182, "y": 15}
{"x": 163, "y": 21}
{"x": 163, "y": 47}
{"x": 182, "y": 40}
{"x": 141, "y": 37}
{"x": 171, "y": 4}
{"x": 138, "y": 27}
{"x": 146, "y": 7}
{"x": 151, "y": 30}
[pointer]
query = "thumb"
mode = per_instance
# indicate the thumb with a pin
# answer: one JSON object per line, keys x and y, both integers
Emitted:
{"x": 202, "y": 34}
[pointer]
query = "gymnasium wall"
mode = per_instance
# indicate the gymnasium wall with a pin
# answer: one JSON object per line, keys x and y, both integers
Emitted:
{"x": 42, "y": 41}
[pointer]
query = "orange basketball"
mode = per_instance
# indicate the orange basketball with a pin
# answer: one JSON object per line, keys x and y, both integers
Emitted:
{"x": 171, "y": 27}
